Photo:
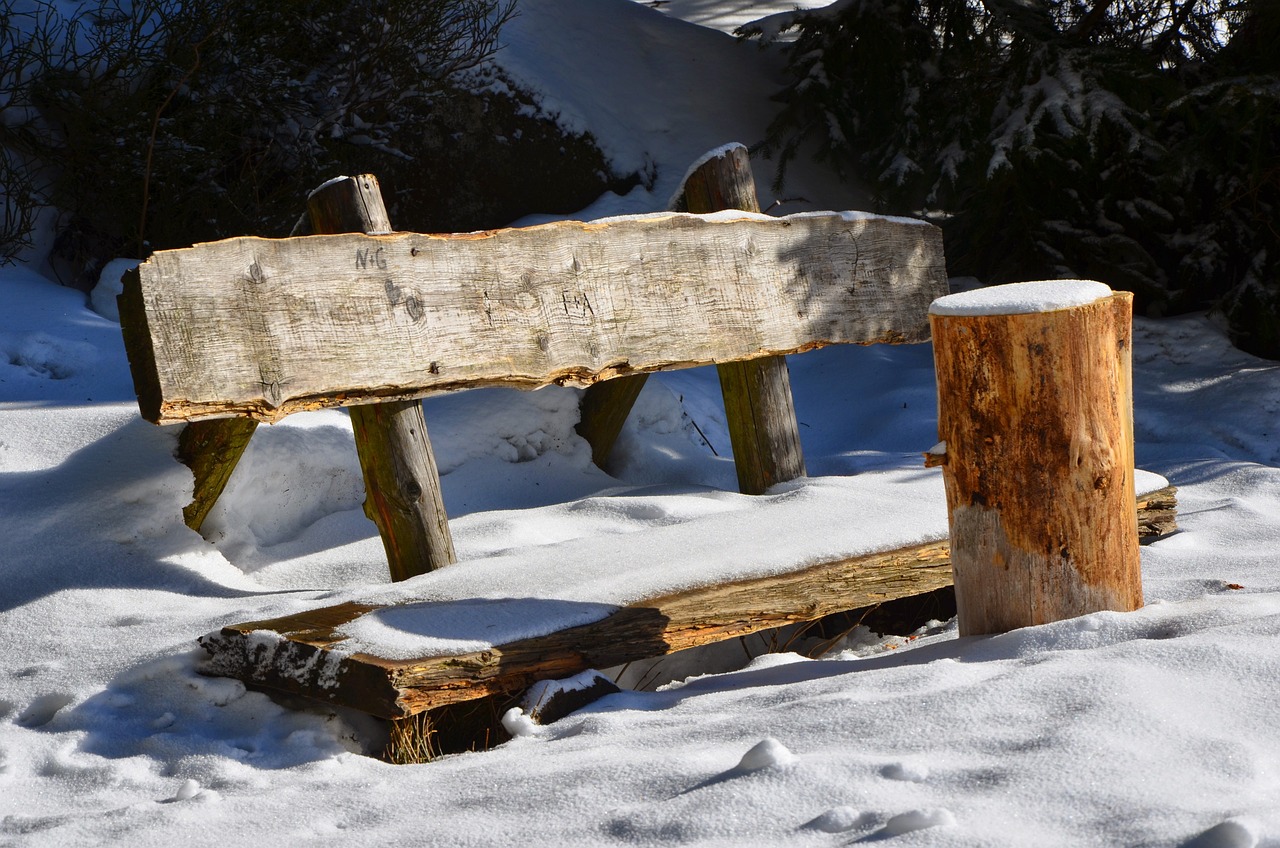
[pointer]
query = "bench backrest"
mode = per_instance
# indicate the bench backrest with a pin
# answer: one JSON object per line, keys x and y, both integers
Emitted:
{"x": 265, "y": 327}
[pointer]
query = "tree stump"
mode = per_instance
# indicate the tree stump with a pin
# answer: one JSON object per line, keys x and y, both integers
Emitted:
{"x": 1035, "y": 413}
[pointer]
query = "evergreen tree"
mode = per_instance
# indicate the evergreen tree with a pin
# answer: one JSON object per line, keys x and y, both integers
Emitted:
{"x": 1136, "y": 142}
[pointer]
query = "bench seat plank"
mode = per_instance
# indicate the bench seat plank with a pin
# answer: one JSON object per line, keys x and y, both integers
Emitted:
{"x": 304, "y": 653}
{"x": 265, "y": 327}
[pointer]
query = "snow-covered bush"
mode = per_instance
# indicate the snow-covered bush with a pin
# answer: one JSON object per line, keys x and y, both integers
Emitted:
{"x": 163, "y": 122}
{"x": 1132, "y": 141}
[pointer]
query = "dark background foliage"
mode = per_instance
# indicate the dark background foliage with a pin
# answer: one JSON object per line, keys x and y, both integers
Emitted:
{"x": 159, "y": 123}
{"x": 1136, "y": 142}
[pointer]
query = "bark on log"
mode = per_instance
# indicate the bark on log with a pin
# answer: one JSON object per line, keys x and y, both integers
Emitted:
{"x": 1035, "y": 410}
{"x": 401, "y": 481}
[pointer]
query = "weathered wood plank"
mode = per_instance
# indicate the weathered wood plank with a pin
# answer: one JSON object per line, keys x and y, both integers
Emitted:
{"x": 263, "y": 327}
{"x": 301, "y": 654}
{"x": 306, "y": 658}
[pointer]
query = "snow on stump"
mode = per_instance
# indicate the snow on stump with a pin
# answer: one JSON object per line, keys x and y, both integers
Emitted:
{"x": 1035, "y": 414}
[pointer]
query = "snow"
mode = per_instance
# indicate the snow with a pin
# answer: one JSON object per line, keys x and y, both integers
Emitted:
{"x": 1156, "y": 727}
{"x": 1021, "y": 298}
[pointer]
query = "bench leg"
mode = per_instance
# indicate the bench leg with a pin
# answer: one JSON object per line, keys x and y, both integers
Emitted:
{"x": 762, "y": 423}
{"x": 402, "y": 487}
{"x": 757, "y": 393}
{"x": 401, "y": 482}
{"x": 604, "y": 409}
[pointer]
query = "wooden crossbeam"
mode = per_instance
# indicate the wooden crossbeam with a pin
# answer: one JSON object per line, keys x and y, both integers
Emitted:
{"x": 303, "y": 654}
{"x": 262, "y": 327}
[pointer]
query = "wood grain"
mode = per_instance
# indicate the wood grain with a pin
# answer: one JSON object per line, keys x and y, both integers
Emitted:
{"x": 1036, "y": 412}
{"x": 263, "y": 327}
{"x": 301, "y": 654}
{"x": 403, "y": 497}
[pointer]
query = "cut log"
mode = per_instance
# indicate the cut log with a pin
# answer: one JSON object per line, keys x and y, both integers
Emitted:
{"x": 263, "y": 328}
{"x": 1035, "y": 410}
{"x": 401, "y": 482}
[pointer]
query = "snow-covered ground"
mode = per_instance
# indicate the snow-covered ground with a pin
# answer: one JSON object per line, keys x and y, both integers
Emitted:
{"x": 1159, "y": 727}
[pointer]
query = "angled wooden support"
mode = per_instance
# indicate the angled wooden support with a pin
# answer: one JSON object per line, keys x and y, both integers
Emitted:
{"x": 211, "y": 449}
{"x": 758, "y": 406}
{"x": 757, "y": 393}
{"x": 401, "y": 482}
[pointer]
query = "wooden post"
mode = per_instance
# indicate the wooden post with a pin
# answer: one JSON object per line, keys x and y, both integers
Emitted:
{"x": 1035, "y": 414}
{"x": 402, "y": 485}
{"x": 757, "y": 393}
{"x": 604, "y": 409}
{"x": 212, "y": 448}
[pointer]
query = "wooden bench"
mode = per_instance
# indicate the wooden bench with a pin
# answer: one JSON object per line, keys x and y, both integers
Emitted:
{"x": 248, "y": 329}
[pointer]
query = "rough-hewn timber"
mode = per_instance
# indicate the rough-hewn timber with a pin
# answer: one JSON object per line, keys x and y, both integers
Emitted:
{"x": 401, "y": 482}
{"x": 263, "y": 327}
{"x": 293, "y": 654}
{"x": 299, "y": 659}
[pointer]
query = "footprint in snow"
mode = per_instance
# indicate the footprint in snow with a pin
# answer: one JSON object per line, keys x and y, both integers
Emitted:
{"x": 42, "y": 710}
{"x": 1227, "y": 834}
{"x": 911, "y": 772}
